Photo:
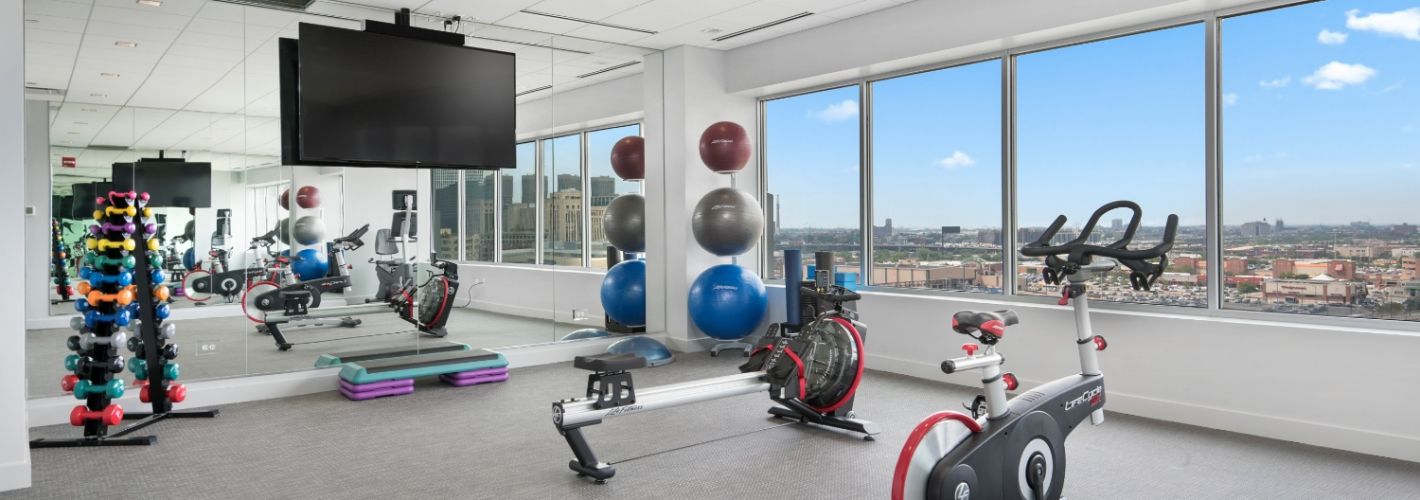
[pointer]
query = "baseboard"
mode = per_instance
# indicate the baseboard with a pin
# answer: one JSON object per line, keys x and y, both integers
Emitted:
{"x": 207, "y": 393}
{"x": 1268, "y": 426}
{"x": 15, "y": 475}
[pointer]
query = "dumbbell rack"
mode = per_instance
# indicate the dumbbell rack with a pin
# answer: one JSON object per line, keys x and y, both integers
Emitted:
{"x": 59, "y": 258}
{"x": 105, "y": 301}
{"x": 157, "y": 367}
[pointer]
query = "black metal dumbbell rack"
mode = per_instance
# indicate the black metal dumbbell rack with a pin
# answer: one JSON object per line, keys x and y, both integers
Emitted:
{"x": 96, "y": 362}
{"x": 153, "y": 346}
{"x": 59, "y": 258}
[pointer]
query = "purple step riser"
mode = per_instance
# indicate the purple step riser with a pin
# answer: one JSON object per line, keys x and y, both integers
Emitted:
{"x": 461, "y": 382}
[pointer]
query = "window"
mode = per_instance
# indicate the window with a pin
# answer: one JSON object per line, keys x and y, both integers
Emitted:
{"x": 937, "y": 179}
{"x": 446, "y": 212}
{"x": 519, "y": 206}
{"x": 1118, "y": 119}
{"x": 604, "y": 185}
{"x": 1321, "y": 140}
{"x": 479, "y": 215}
{"x": 562, "y": 205}
{"x": 812, "y": 171}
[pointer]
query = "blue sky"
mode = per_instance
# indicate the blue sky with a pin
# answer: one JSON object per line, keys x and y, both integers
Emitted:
{"x": 1321, "y": 121}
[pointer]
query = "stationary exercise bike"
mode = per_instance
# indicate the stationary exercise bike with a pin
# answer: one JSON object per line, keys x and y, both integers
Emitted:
{"x": 217, "y": 277}
{"x": 810, "y": 369}
{"x": 1016, "y": 449}
{"x": 285, "y": 293}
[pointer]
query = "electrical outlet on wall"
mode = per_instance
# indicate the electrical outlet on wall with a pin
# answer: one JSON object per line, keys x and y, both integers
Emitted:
{"x": 207, "y": 348}
{"x": 579, "y": 315}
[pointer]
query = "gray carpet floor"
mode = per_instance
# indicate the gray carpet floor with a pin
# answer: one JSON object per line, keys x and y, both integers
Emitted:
{"x": 235, "y": 347}
{"x": 496, "y": 441}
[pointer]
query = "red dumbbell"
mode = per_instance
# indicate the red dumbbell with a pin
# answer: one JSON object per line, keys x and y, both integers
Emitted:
{"x": 176, "y": 393}
{"x": 67, "y": 383}
{"x": 111, "y": 415}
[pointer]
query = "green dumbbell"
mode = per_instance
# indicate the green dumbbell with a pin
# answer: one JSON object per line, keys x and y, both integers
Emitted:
{"x": 139, "y": 367}
{"x": 170, "y": 371}
{"x": 98, "y": 261}
{"x": 114, "y": 389}
{"x": 71, "y": 362}
{"x": 80, "y": 364}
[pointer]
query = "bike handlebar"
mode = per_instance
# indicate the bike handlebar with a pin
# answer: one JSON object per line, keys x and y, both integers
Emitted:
{"x": 1078, "y": 249}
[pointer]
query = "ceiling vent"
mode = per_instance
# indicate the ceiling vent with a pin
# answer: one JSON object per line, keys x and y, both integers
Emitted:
{"x": 610, "y": 68}
{"x": 769, "y": 24}
{"x": 532, "y": 91}
{"x": 588, "y": 21}
{"x": 274, "y": 4}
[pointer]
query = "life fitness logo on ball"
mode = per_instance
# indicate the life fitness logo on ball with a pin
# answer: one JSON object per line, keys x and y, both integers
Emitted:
{"x": 963, "y": 492}
{"x": 1093, "y": 396}
{"x": 722, "y": 141}
{"x": 726, "y": 288}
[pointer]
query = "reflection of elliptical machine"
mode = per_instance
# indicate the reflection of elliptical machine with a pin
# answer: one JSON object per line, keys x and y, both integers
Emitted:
{"x": 394, "y": 273}
{"x": 294, "y": 297}
{"x": 218, "y": 277}
{"x": 1015, "y": 449}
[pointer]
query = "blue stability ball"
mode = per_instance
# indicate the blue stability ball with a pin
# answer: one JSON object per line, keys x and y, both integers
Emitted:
{"x": 586, "y": 333}
{"x": 656, "y": 353}
{"x": 624, "y": 293}
{"x": 309, "y": 264}
{"x": 728, "y": 302}
{"x": 189, "y": 259}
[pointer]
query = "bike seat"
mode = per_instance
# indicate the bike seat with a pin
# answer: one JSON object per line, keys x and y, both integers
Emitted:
{"x": 992, "y": 322}
{"x": 609, "y": 362}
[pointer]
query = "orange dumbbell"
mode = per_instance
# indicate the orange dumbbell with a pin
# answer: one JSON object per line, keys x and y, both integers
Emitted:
{"x": 123, "y": 297}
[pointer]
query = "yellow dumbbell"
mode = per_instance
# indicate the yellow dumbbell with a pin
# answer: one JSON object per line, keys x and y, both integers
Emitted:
{"x": 98, "y": 215}
{"x": 153, "y": 244}
{"x": 129, "y": 211}
{"x": 147, "y": 212}
{"x": 97, "y": 244}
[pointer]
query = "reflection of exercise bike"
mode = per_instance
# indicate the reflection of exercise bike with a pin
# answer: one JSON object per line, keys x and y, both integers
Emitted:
{"x": 218, "y": 278}
{"x": 425, "y": 305}
{"x": 283, "y": 292}
{"x": 811, "y": 370}
{"x": 1015, "y": 449}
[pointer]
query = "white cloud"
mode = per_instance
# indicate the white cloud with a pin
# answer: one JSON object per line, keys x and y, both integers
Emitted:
{"x": 1275, "y": 84}
{"x": 1401, "y": 23}
{"x": 1337, "y": 75}
{"x": 838, "y": 112}
{"x": 1328, "y": 37}
{"x": 1230, "y": 99}
{"x": 957, "y": 160}
{"x": 1392, "y": 88}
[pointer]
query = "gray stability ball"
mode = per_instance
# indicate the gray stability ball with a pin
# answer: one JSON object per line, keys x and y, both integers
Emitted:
{"x": 308, "y": 230}
{"x": 727, "y": 222}
{"x": 625, "y": 223}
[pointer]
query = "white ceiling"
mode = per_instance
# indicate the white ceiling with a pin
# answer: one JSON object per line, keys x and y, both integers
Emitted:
{"x": 201, "y": 75}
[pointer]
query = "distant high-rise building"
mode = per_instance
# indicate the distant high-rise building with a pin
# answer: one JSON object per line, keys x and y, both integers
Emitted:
{"x": 989, "y": 236}
{"x": 603, "y": 186}
{"x": 529, "y": 189}
{"x": 884, "y": 231}
{"x": 771, "y": 226}
{"x": 568, "y": 182}
{"x": 1256, "y": 228}
{"x": 507, "y": 182}
{"x": 1117, "y": 224}
{"x": 1280, "y": 225}
{"x": 446, "y": 200}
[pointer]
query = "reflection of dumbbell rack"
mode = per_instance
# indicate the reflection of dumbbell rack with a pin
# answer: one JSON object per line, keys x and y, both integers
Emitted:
{"x": 614, "y": 257}
{"x": 154, "y": 363}
{"x": 59, "y": 259}
{"x": 107, "y": 294}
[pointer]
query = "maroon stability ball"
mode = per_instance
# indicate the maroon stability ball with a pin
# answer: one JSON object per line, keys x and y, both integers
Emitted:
{"x": 308, "y": 197}
{"x": 285, "y": 199}
{"x": 628, "y": 158}
{"x": 724, "y": 147}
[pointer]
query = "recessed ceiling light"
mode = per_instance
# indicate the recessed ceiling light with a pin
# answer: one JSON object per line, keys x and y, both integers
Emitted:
{"x": 151, "y": 3}
{"x": 125, "y": 44}
{"x": 112, "y": 76}
{"x": 89, "y": 110}
{"x": 96, "y": 94}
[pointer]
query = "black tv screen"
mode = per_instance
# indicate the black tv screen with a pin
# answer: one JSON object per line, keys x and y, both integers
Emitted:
{"x": 168, "y": 182}
{"x": 85, "y": 194}
{"x": 374, "y": 99}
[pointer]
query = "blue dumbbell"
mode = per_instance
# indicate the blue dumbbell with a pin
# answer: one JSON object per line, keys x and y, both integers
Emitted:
{"x": 123, "y": 278}
{"x": 161, "y": 311}
{"x": 157, "y": 276}
{"x": 114, "y": 389}
{"x": 119, "y": 317}
{"x": 81, "y": 304}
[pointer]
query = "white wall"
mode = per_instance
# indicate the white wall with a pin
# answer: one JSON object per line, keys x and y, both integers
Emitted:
{"x": 37, "y": 194}
{"x": 14, "y": 435}
{"x": 533, "y": 292}
{"x": 604, "y": 103}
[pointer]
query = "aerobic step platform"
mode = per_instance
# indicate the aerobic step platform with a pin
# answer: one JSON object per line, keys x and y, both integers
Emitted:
{"x": 395, "y": 376}
{"x": 424, "y": 347}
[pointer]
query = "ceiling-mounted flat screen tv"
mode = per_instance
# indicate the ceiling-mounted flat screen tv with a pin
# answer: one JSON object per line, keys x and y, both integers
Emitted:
{"x": 392, "y": 96}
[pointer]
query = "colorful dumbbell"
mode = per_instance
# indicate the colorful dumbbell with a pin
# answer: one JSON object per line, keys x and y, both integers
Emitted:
{"x": 101, "y": 244}
{"x": 161, "y": 293}
{"x": 119, "y": 318}
{"x": 67, "y": 382}
{"x": 113, "y": 388}
{"x": 123, "y": 297}
{"x": 114, "y": 196}
{"x": 135, "y": 345}
{"x": 87, "y": 341}
{"x": 139, "y": 367}
{"x": 123, "y": 278}
{"x": 99, "y": 261}
{"x": 126, "y": 211}
{"x": 156, "y": 275}
{"x": 77, "y": 322}
{"x": 176, "y": 393}
{"x": 126, "y": 228}
{"x": 111, "y": 415}
{"x": 162, "y": 311}
{"x": 80, "y": 364}
{"x": 166, "y": 331}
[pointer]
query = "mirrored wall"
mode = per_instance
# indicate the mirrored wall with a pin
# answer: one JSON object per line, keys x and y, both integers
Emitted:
{"x": 182, "y": 100}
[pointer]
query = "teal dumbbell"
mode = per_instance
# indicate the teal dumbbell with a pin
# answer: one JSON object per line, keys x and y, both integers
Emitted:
{"x": 84, "y": 388}
{"x": 80, "y": 364}
{"x": 139, "y": 367}
{"x": 170, "y": 371}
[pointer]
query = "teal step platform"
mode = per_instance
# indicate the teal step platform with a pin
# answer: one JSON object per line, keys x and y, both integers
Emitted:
{"x": 424, "y": 347}
{"x": 421, "y": 365}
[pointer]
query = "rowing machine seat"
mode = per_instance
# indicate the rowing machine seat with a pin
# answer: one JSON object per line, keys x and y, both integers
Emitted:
{"x": 609, "y": 362}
